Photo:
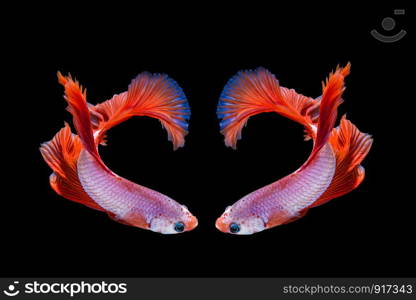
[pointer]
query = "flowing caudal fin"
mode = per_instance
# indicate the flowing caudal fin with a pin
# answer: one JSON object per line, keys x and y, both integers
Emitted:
{"x": 153, "y": 95}
{"x": 61, "y": 154}
{"x": 78, "y": 107}
{"x": 331, "y": 99}
{"x": 252, "y": 92}
{"x": 350, "y": 147}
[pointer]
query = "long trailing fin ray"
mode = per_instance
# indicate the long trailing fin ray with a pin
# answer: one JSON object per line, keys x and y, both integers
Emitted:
{"x": 153, "y": 95}
{"x": 252, "y": 92}
{"x": 328, "y": 110}
{"x": 61, "y": 154}
{"x": 331, "y": 98}
{"x": 78, "y": 107}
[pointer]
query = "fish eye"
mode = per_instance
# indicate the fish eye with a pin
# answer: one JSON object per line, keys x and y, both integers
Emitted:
{"x": 179, "y": 227}
{"x": 234, "y": 228}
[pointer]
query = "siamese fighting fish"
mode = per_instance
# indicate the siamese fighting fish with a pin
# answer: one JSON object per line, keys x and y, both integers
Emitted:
{"x": 80, "y": 175}
{"x": 332, "y": 169}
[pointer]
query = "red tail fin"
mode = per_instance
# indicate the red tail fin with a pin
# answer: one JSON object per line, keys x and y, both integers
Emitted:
{"x": 350, "y": 147}
{"x": 78, "y": 107}
{"x": 61, "y": 154}
{"x": 153, "y": 95}
{"x": 252, "y": 92}
{"x": 331, "y": 99}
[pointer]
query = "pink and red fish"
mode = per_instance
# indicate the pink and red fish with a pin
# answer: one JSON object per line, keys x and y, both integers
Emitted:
{"x": 80, "y": 175}
{"x": 332, "y": 169}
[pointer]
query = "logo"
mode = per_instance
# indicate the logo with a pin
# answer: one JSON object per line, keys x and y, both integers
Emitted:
{"x": 388, "y": 24}
{"x": 11, "y": 290}
{"x": 68, "y": 288}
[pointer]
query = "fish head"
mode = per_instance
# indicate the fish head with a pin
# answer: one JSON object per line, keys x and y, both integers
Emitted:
{"x": 232, "y": 222}
{"x": 178, "y": 221}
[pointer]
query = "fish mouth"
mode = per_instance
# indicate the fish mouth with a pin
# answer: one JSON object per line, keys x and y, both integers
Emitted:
{"x": 192, "y": 223}
{"x": 221, "y": 226}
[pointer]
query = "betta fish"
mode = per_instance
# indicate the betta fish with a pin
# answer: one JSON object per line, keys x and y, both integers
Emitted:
{"x": 332, "y": 169}
{"x": 80, "y": 175}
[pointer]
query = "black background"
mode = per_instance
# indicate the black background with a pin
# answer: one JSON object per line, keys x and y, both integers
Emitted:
{"x": 368, "y": 232}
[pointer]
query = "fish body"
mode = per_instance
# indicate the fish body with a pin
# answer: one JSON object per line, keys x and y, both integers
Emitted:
{"x": 282, "y": 200}
{"x": 81, "y": 176}
{"x": 129, "y": 202}
{"x": 331, "y": 170}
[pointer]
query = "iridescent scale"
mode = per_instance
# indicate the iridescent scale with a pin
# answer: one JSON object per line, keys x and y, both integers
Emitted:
{"x": 118, "y": 195}
{"x": 291, "y": 194}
